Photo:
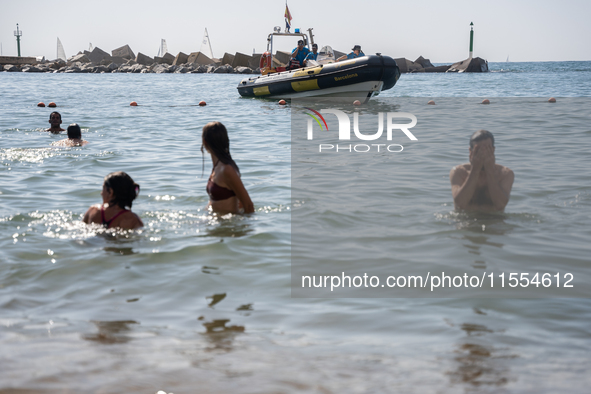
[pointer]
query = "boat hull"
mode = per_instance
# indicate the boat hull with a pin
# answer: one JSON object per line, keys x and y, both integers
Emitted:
{"x": 361, "y": 78}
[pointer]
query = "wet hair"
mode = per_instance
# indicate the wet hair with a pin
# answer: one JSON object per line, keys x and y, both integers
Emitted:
{"x": 58, "y": 114}
{"x": 74, "y": 131}
{"x": 215, "y": 138}
{"x": 125, "y": 190}
{"x": 481, "y": 135}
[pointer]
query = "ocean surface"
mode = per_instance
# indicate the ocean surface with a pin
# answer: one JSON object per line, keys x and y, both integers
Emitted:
{"x": 195, "y": 302}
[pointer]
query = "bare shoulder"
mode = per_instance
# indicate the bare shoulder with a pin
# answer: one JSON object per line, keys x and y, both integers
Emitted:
{"x": 130, "y": 221}
{"x": 460, "y": 170}
{"x": 505, "y": 171}
{"x": 92, "y": 215}
{"x": 60, "y": 143}
{"x": 230, "y": 172}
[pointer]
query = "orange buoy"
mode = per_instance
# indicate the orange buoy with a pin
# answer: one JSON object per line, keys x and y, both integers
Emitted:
{"x": 202, "y": 103}
{"x": 41, "y": 104}
{"x": 356, "y": 102}
{"x": 431, "y": 102}
{"x": 486, "y": 101}
{"x": 281, "y": 102}
{"x": 133, "y": 104}
{"x": 52, "y": 104}
{"x": 551, "y": 100}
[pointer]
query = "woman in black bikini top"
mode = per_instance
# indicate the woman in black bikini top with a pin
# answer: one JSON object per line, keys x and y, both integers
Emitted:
{"x": 119, "y": 191}
{"x": 224, "y": 186}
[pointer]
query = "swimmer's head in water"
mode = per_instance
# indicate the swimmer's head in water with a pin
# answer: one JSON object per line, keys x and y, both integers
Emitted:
{"x": 124, "y": 190}
{"x": 215, "y": 140}
{"x": 57, "y": 114}
{"x": 74, "y": 131}
{"x": 481, "y": 135}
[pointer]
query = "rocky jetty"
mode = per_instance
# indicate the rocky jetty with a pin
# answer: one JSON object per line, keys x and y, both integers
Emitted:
{"x": 124, "y": 60}
{"x": 422, "y": 65}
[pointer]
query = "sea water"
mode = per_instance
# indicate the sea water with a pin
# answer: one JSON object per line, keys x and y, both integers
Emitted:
{"x": 198, "y": 302}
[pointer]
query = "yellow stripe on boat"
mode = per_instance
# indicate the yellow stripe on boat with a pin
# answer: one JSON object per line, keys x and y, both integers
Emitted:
{"x": 302, "y": 86}
{"x": 261, "y": 91}
{"x": 307, "y": 71}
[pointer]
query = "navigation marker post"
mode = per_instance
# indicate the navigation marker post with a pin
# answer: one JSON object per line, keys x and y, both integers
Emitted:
{"x": 18, "y": 33}
{"x": 471, "y": 40}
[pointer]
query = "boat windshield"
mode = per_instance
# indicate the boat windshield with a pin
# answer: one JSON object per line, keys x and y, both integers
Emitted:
{"x": 325, "y": 55}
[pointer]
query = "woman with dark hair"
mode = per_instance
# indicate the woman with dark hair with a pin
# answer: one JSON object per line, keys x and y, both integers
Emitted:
{"x": 119, "y": 191}
{"x": 74, "y": 137}
{"x": 226, "y": 191}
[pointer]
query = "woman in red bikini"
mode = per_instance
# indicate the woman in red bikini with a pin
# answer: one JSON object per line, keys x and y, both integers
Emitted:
{"x": 119, "y": 191}
{"x": 226, "y": 191}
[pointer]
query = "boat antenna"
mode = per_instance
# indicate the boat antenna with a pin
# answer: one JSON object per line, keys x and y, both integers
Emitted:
{"x": 311, "y": 35}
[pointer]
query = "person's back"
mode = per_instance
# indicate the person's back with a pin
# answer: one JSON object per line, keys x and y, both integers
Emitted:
{"x": 74, "y": 137}
{"x": 118, "y": 193}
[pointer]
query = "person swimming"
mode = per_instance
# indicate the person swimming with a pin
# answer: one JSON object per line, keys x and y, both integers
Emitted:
{"x": 224, "y": 186}
{"x": 55, "y": 120}
{"x": 119, "y": 191}
{"x": 74, "y": 137}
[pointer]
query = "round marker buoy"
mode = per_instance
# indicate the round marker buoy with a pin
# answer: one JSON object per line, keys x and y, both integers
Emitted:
{"x": 431, "y": 102}
{"x": 52, "y": 105}
{"x": 551, "y": 100}
{"x": 486, "y": 101}
{"x": 133, "y": 104}
{"x": 281, "y": 102}
{"x": 356, "y": 102}
{"x": 202, "y": 103}
{"x": 41, "y": 104}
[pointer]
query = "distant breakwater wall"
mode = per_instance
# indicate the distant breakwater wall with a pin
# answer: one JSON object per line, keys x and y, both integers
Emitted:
{"x": 124, "y": 60}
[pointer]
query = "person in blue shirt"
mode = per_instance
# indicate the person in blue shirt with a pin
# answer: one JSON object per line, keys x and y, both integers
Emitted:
{"x": 312, "y": 55}
{"x": 300, "y": 52}
{"x": 356, "y": 53}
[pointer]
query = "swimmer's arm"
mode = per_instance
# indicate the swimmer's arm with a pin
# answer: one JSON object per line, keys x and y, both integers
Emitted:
{"x": 235, "y": 183}
{"x": 463, "y": 186}
{"x": 88, "y": 215}
{"x": 499, "y": 186}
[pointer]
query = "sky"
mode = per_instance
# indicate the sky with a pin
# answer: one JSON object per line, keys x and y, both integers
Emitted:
{"x": 521, "y": 30}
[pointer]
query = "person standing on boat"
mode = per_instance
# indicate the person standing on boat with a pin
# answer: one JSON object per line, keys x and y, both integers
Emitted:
{"x": 312, "y": 55}
{"x": 481, "y": 184}
{"x": 356, "y": 53}
{"x": 226, "y": 192}
{"x": 300, "y": 52}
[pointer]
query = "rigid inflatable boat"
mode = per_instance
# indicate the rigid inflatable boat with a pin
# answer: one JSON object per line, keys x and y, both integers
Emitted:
{"x": 359, "y": 78}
